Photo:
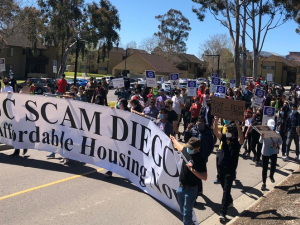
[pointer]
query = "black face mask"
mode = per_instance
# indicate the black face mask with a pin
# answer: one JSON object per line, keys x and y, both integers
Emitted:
{"x": 5, "y": 83}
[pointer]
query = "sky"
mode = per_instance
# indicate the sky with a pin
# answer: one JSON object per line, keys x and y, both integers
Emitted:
{"x": 138, "y": 22}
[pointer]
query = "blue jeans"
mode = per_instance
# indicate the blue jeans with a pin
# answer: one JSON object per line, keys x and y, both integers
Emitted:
{"x": 186, "y": 198}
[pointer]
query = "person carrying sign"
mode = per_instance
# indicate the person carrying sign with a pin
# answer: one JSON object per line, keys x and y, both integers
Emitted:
{"x": 228, "y": 161}
{"x": 190, "y": 173}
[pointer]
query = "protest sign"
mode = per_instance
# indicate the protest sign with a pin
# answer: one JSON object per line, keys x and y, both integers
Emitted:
{"x": 192, "y": 88}
{"x": 54, "y": 66}
{"x": 258, "y": 98}
{"x": 214, "y": 75}
{"x": 228, "y": 109}
{"x": 174, "y": 80}
{"x": 243, "y": 82}
{"x": 220, "y": 91}
{"x": 118, "y": 82}
{"x": 261, "y": 129}
{"x": 150, "y": 78}
{"x": 2, "y": 64}
{"x": 162, "y": 80}
{"x": 213, "y": 85}
{"x": 122, "y": 142}
{"x": 269, "y": 77}
{"x": 232, "y": 83}
{"x": 269, "y": 113}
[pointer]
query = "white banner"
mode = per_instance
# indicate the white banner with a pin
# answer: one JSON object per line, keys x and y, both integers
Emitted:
{"x": 118, "y": 82}
{"x": 2, "y": 64}
{"x": 122, "y": 142}
{"x": 151, "y": 79}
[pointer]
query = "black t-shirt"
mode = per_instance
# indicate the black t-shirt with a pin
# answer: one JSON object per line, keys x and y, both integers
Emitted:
{"x": 172, "y": 116}
{"x": 186, "y": 176}
{"x": 254, "y": 133}
{"x": 229, "y": 154}
{"x": 12, "y": 83}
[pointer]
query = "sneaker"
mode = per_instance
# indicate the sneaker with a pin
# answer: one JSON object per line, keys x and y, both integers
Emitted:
{"x": 217, "y": 181}
{"x": 257, "y": 164}
{"x": 51, "y": 155}
{"x": 272, "y": 179}
{"x": 254, "y": 158}
{"x": 230, "y": 205}
{"x": 62, "y": 160}
{"x": 247, "y": 155}
{"x": 66, "y": 161}
{"x": 285, "y": 158}
{"x": 200, "y": 193}
{"x": 297, "y": 158}
{"x": 263, "y": 187}
{"x": 108, "y": 174}
{"x": 222, "y": 217}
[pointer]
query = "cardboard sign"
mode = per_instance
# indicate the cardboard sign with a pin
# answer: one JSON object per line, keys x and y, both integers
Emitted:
{"x": 228, "y": 109}
{"x": 221, "y": 91}
{"x": 118, "y": 82}
{"x": 261, "y": 129}
{"x": 232, "y": 83}
{"x": 214, "y": 83}
{"x": 54, "y": 66}
{"x": 258, "y": 97}
{"x": 150, "y": 78}
{"x": 2, "y": 65}
{"x": 269, "y": 113}
{"x": 174, "y": 79}
{"x": 192, "y": 88}
{"x": 269, "y": 77}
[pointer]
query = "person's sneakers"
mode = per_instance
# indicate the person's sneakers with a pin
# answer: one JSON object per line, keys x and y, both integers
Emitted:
{"x": 62, "y": 160}
{"x": 263, "y": 187}
{"x": 245, "y": 152}
{"x": 230, "y": 205}
{"x": 178, "y": 135}
{"x": 272, "y": 179}
{"x": 247, "y": 155}
{"x": 285, "y": 158}
{"x": 297, "y": 158}
{"x": 217, "y": 181}
{"x": 257, "y": 163}
{"x": 222, "y": 217}
{"x": 51, "y": 155}
{"x": 108, "y": 174}
{"x": 254, "y": 158}
{"x": 200, "y": 193}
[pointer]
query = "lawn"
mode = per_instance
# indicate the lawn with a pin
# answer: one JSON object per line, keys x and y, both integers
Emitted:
{"x": 71, "y": 74}
{"x": 112, "y": 104}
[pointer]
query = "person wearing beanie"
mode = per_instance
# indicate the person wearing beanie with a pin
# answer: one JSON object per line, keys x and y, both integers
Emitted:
{"x": 270, "y": 149}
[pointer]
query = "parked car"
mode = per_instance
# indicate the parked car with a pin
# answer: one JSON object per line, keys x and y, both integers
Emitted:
{"x": 41, "y": 84}
{"x": 109, "y": 81}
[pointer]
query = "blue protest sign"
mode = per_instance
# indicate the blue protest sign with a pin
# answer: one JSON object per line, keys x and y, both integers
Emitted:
{"x": 192, "y": 88}
{"x": 174, "y": 76}
{"x": 214, "y": 75}
{"x": 214, "y": 82}
{"x": 162, "y": 80}
{"x": 150, "y": 74}
{"x": 259, "y": 93}
{"x": 258, "y": 98}
{"x": 232, "y": 83}
{"x": 150, "y": 78}
{"x": 269, "y": 113}
{"x": 174, "y": 80}
{"x": 221, "y": 89}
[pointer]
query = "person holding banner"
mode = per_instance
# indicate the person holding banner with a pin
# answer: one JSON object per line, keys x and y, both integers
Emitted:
{"x": 270, "y": 149}
{"x": 228, "y": 161}
{"x": 193, "y": 168}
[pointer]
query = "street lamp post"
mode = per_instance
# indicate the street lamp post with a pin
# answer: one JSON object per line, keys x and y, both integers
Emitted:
{"x": 218, "y": 55}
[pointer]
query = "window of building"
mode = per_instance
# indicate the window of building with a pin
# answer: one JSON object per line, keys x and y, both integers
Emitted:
{"x": 10, "y": 52}
{"x": 285, "y": 68}
{"x": 190, "y": 65}
{"x": 103, "y": 68}
{"x": 269, "y": 67}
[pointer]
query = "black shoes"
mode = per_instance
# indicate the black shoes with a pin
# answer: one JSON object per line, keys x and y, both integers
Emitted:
{"x": 272, "y": 179}
{"x": 222, "y": 217}
{"x": 263, "y": 187}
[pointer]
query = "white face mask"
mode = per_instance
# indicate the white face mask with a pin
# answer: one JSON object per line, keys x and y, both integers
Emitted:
{"x": 228, "y": 135}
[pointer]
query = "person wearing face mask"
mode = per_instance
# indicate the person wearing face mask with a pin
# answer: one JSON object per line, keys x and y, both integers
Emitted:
{"x": 270, "y": 149}
{"x": 13, "y": 82}
{"x": 201, "y": 131}
{"x": 100, "y": 90}
{"x": 6, "y": 88}
{"x": 151, "y": 110}
{"x": 293, "y": 132}
{"x": 61, "y": 85}
{"x": 255, "y": 145}
{"x": 178, "y": 104}
{"x": 163, "y": 124}
{"x": 190, "y": 173}
{"x": 81, "y": 94}
{"x": 248, "y": 119}
{"x": 160, "y": 101}
{"x": 206, "y": 112}
{"x": 228, "y": 161}
{"x": 280, "y": 128}
{"x": 136, "y": 106}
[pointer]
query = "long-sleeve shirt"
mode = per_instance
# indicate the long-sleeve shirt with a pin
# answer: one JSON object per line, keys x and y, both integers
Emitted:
{"x": 268, "y": 148}
{"x": 293, "y": 121}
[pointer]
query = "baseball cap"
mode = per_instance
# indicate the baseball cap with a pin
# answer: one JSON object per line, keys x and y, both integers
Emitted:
{"x": 193, "y": 143}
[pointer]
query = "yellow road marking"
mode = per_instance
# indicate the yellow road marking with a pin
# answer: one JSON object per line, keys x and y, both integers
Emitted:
{"x": 49, "y": 184}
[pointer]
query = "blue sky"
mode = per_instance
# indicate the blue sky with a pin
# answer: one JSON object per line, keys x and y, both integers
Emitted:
{"x": 138, "y": 22}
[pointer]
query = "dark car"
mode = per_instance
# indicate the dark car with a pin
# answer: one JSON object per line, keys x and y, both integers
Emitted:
{"x": 41, "y": 85}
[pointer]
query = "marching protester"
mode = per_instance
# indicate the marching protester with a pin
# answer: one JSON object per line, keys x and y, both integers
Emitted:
{"x": 61, "y": 85}
{"x": 270, "y": 149}
{"x": 163, "y": 123}
{"x": 195, "y": 109}
{"x": 228, "y": 161}
{"x": 255, "y": 144}
{"x": 160, "y": 101}
{"x": 190, "y": 173}
{"x": 178, "y": 105}
{"x": 280, "y": 128}
{"x": 247, "y": 142}
{"x": 172, "y": 116}
{"x": 186, "y": 115}
{"x": 293, "y": 132}
{"x": 203, "y": 132}
{"x": 247, "y": 96}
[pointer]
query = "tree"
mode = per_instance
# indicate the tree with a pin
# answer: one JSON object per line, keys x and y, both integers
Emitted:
{"x": 149, "y": 44}
{"x": 218, "y": 44}
{"x": 173, "y": 31}
{"x": 275, "y": 13}
{"x": 8, "y": 10}
{"x": 226, "y": 12}
{"x": 132, "y": 45}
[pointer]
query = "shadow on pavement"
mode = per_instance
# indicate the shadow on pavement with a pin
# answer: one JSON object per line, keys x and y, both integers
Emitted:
{"x": 277, "y": 216}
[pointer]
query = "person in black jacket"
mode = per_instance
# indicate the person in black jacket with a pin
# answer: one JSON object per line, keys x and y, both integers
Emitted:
{"x": 280, "y": 127}
{"x": 205, "y": 112}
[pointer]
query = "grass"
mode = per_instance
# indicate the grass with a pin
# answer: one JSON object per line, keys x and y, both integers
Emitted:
{"x": 112, "y": 104}
{"x": 71, "y": 74}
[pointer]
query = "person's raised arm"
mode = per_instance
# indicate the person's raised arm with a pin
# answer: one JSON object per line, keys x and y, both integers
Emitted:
{"x": 176, "y": 143}
{"x": 215, "y": 127}
{"x": 240, "y": 132}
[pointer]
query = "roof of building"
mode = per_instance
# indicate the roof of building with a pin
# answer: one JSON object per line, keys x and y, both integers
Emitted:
{"x": 295, "y": 62}
{"x": 158, "y": 63}
{"x": 133, "y": 50}
{"x": 189, "y": 58}
{"x": 118, "y": 50}
{"x": 18, "y": 39}
{"x": 279, "y": 59}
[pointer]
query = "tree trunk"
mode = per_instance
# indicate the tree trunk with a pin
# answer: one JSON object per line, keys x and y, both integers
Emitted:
{"x": 64, "y": 58}
{"x": 237, "y": 45}
{"x": 255, "y": 62}
{"x": 244, "y": 65}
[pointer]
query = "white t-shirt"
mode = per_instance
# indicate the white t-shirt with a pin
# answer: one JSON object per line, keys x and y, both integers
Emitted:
{"x": 248, "y": 122}
{"x": 7, "y": 89}
{"x": 176, "y": 105}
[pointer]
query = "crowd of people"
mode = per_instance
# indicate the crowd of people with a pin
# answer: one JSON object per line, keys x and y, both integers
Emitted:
{"x": 169, "y": 111}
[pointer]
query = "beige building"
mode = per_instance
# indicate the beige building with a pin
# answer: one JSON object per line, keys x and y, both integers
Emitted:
{"x": 23, "y": 61}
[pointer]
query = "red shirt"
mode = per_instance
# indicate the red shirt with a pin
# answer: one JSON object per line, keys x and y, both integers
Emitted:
{"x": 62, "y": 84}
{"x": 195, "y": 110}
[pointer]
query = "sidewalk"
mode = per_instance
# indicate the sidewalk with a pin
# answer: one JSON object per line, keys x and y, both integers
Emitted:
{"x": 279, "y": 206}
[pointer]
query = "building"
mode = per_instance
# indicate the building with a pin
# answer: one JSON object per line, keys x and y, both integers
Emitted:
{"x": 294, "y": 56}
{"x": 23, "y": 60}
{"x": 195, "y": 67}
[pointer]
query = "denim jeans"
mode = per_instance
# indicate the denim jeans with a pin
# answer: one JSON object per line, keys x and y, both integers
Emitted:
{"x": 292, "y": 136}
{"x": 186, "y": 198}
